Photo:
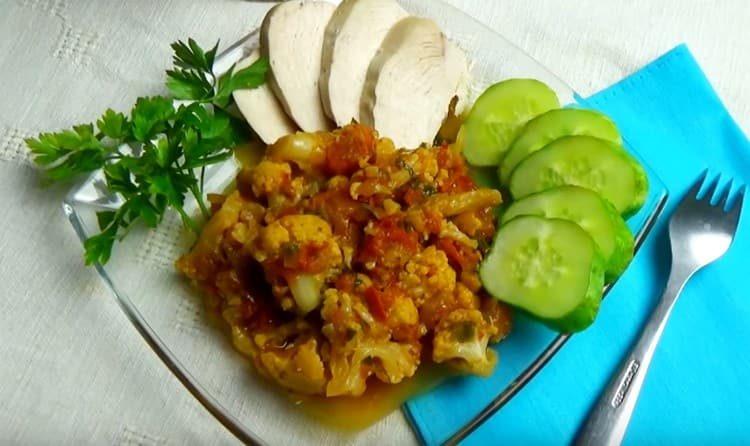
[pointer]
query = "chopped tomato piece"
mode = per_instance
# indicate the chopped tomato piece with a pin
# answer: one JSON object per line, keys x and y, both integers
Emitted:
{"x": 379, "y": 302}
{"x": 459, "y": 256}
{"x": 413, "y": 196}
{"x": 306, "y": 258}
{"x": 389, "y": 243}
{"x": 352, "y": 145}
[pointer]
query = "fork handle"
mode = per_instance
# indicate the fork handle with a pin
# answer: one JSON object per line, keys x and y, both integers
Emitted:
{"x": 610, "y": 416}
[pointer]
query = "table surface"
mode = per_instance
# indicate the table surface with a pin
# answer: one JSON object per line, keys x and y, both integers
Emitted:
{"x": 73, "y": 370}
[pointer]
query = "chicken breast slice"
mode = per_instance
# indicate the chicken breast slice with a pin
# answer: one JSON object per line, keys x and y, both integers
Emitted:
{"x": 291, "y": 36}
{"x": 261, "y": 109}
{"x": 457, "y": 67}
{"x": 408, "y": 88}
{"x": 353, "y": 35}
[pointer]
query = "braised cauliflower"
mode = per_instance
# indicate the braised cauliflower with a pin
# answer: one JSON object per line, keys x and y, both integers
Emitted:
{"x": 461, "y": 338}
{"x": 340, "y": 260}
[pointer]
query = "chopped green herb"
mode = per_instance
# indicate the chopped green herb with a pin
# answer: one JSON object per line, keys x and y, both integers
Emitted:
{"x": 289, "y": 249}
{"x": 428, "y": 189}
{"x": 404, "y": 165}
{"x": 174, "y": 144}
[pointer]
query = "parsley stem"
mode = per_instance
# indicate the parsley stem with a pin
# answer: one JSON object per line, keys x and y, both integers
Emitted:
{"x": 199, "y": 199}
{"x": 203, "y": 175}
{"x": 189, "y": 222}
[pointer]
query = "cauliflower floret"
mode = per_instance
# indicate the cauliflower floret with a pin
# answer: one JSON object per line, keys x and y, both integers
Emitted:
{"x": 289, "y": 355}
{"x": 271, "y": 240}
{"x": 345, "y": 316}
{"x": 392, "y": 361}
{"x": 269, "y": 177}
{"x": 403, "y": 320}
{"x": 361, "y": 346}
{"x": 303, "y": 250}
{"x": 461, "y": 339}
{"x": 428, "y": 274}
{"x": 347, "y": 377}
{"x": 299, "y": 368}
{"x": 351, "y": 365}
{"x": 465, "y": 298}
{"x": 403, "y": 311}
{"x": 203, "y": 261}
{"x": 421, "y": 163}
{"x": 278, "y": 238}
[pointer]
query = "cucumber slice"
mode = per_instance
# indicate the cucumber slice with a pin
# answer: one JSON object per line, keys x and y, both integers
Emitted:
{"x": 550, "y": 268}
{"x": 484, "y": 177}
{"x": 554, "y": 124}
{"x": 592, "y": 213}
{"x": 584, "y": 161}
{"x": 498, "y": 115}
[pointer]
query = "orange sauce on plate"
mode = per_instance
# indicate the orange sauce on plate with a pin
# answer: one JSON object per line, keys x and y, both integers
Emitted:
{"x": 349, "y": 414}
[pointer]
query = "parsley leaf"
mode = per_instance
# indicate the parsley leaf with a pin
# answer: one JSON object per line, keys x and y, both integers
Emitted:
{"x": 191, "y": 55}
{"x": 187, "y": 84}
{"x": 249, "y": 77}
{"x": 171, "y": 145}
{"x": 192, "y": 77}
{"x": 150, "y": 116}
{"x": 66, "y": 154}
{"x": 113, "y": 125}
{"x": 99, "y": 247}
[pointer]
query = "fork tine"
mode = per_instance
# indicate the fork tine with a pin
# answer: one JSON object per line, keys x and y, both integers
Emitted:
{"x": 710, "y": 187}
{"x": 723, "y": 196}
{"x": 696, "y": 187}
{"x": 734, "y": 212}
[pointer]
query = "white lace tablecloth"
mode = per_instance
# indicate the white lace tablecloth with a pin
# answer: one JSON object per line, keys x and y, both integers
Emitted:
{"x": 72, "y": 369}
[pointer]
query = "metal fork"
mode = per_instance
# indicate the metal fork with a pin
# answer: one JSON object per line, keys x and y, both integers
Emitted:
{"x": 699, "y": 233}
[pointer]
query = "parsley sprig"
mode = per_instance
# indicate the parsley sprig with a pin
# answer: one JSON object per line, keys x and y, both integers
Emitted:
{"x": 154, "y": 157}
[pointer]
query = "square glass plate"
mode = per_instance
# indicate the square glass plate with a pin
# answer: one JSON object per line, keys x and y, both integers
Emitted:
{"x": 170, "y": 316}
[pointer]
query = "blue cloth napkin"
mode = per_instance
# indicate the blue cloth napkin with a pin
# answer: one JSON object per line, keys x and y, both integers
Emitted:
{"x": 696, "y": 390}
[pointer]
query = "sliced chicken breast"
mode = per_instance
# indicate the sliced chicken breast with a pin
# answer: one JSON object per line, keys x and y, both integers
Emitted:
{"x": 261, "y": 109}
{"x": 291, "y": 36}
{"x": 407, "y": 88}
{"x": 457, "y": 67}
{"x": 352, "y": 37}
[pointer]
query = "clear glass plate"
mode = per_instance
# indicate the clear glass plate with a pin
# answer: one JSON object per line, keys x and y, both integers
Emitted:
{"x": 170, "y": 316}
